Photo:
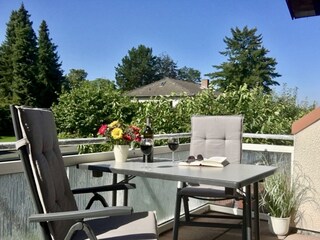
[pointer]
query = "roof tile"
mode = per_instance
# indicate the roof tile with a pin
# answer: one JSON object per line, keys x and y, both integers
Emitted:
{"x": 166, "y": 87}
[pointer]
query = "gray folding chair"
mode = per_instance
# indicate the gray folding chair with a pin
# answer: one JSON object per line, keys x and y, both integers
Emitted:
{"x": 210, "y": 136}
{"x": 58, "y": 213}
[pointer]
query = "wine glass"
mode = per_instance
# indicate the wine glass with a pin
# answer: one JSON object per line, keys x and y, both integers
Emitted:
{"x": 146, "y": 146}
{"x": 173, "y": 144}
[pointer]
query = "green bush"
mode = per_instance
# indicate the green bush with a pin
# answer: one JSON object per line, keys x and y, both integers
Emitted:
{"x": 81, "y": 112}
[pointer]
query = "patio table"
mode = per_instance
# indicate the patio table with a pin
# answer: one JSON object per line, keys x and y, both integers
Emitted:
{"x": 231, "y": 176}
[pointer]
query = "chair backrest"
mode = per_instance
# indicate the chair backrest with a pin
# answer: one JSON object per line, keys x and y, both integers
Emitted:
{"x": 37, "y": 141}
{"x": 217, "y": 136}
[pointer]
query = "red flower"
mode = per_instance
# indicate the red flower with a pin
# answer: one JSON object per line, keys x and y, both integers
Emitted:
{"x": 127, "y": 137}
{"x": 135, "y": 129}
{"x": 136, "y": 133}
{"x": 102, "y": 130}
{"x": 137, "y": 138}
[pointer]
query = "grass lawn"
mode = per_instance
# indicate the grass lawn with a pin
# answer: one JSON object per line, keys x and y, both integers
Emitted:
{"x": 7, "y": 139}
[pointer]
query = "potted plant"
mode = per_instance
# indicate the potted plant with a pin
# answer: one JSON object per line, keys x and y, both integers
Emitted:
{"x": 281, "y": 198}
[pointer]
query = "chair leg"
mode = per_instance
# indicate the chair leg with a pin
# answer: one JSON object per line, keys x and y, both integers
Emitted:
{"x": 244, "y": 219}
{"x": 256, "y": 211}
{"x": 249, "y": 212}
{"x": 247, "y": 221}
{"x": 97, "y": 197}
{"x": 177, "y": 216}
{"x": 186, "y": 208}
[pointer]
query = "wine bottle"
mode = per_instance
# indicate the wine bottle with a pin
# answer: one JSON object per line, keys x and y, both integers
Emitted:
{"x": 148, "y": 133}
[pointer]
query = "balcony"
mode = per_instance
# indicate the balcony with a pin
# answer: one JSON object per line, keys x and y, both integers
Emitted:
{"x": 16, "y": 203}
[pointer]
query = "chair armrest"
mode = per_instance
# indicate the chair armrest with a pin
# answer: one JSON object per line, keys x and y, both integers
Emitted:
{"x": 114, "y": 187}
{"x": 80, "y": 214}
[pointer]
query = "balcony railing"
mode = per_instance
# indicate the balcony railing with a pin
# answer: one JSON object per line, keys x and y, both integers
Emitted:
{"x": 16, "y": 203}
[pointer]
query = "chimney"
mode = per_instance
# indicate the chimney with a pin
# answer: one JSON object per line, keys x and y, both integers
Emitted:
{"x": 204, "y": 84}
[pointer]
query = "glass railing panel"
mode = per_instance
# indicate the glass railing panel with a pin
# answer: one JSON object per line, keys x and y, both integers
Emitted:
{"x": 150, "y": 194}
{"x": 16, "y": 204}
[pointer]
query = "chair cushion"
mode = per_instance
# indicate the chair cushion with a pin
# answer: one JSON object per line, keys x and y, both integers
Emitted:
{"x": 48, "y": 166}
{"x": 140, "y": 225}
{"x": 209, "y": 191}
{"x": 204, "y": 191}
{"x": 217, "y": 136}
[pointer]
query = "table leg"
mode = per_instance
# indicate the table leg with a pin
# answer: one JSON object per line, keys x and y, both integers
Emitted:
{"x": 177, "y": 212}
{"x": 244, "y": 218}
{"x": 256, "y": 211}
{"x": 248, "y": 213}
{"x": 114, "y": 192}
{"x": 125, "y": 194}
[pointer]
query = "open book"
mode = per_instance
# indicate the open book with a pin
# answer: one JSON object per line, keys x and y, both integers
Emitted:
{"x": 211, "y": 162}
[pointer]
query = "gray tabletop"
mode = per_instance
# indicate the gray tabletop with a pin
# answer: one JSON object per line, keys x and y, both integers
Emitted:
{"x": 233, "y": 175}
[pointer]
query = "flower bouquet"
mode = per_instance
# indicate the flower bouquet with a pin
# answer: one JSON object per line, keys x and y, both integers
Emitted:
{"x": 119, "y": 133}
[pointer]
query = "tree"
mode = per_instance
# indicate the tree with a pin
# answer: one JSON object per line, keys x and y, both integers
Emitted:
{"x": 137, "y": 69}
{"x": 6, "y": 64}
{"x": 24, "y": 60}
{"x": 18, "y": 57}
{"x": 166, "y": 67}
{"x": 189, "y": 74}
{"x": 247, "y": 63}
{"x": 75, "y": 78}
{"x": 18, "y": 66}
{"x": 50, "y": 76}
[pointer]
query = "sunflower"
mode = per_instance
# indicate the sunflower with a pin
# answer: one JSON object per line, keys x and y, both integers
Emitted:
{"x": 116, "y": 133}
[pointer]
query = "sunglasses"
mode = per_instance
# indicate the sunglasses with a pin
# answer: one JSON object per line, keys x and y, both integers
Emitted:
{"x": 192, "y": 158}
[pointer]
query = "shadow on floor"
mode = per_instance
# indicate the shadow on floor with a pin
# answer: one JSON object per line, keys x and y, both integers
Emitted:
{"x": 205, "y": 233}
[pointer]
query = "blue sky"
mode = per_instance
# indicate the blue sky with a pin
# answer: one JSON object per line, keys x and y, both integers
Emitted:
{"x": 95, "y": 35}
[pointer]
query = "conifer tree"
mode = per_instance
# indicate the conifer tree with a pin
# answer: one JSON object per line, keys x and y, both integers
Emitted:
{"x": 18, "y": 57}
{"x": 247, "y": 63}
{"x": 138, "y": 68}
{"x": 24, "y": 60}
{"x": 50, "y": 75}
{"x": 189, "y": 74}
{"x": 6, "y": 63}
{"x": 18, "y": 70}
{"x": 166, "y": 67}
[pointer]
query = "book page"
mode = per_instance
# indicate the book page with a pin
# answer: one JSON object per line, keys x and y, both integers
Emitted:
{"x": 215, "y": 159}
{"x": 193, "y": 163}
{"x": 212, "y": 162}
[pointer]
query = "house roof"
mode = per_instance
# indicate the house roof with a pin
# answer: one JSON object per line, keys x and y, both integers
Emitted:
{"x": 305, "y": 121}
{"x": 303, "y": 8}
{"x": 166, "y": 87}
